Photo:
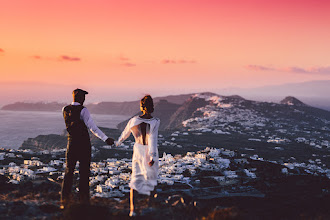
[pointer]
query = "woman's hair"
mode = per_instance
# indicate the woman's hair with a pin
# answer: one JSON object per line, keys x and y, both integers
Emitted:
{"x": 148, "y": 103}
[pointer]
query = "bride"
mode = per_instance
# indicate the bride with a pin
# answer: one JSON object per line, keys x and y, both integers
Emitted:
{"x": 145, "y": 152}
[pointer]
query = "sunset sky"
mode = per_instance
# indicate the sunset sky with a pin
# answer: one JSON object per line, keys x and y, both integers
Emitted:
{"x": 121, "y": 49}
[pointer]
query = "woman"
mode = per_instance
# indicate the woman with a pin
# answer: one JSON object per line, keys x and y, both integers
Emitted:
{"x": 145, "y": 152}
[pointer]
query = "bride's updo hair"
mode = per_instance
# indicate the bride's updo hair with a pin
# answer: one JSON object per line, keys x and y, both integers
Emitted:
{"x": 147, "y": 103}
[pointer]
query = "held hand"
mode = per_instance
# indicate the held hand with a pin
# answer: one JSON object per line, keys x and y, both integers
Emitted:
{"x": 109, "y": 141}
{"x": 151, "y": 163}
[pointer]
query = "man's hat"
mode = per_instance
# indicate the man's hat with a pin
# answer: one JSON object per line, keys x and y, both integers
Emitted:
{"x": 79, "y": 92}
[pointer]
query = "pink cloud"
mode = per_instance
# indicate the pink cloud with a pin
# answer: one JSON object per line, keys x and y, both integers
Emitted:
{"x": 122, "y": 58}
{"x": 323, "y": 70}
{"x": 37, "y": 57}
{"x": 68, "y": 58}
{"x": 292, "y": 69}
{"x": 259, "y": 68}
{"x": 129, "y": 64}
{"x": 1, "y": 50}
{"x": 295, "y": 69}
{"x": 61, "y": 58}
{"x": 182, "y": 61}
{"x": 168, "y": 61}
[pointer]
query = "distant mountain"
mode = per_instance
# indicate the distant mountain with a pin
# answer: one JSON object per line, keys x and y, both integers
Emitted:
{"x": 314, "y": 93}
{"x": 131, "y": 108}
{"x": 193, "y": 108}
{"x": 37, "y": 106}
{"x": 186, "y": 110}
{"x": 290, "y": 100}
{"x": 234, "y": 114}
{"x": 171, "y": 114}
{"x": 111, "y": 108}
{"x": 318, "y": 88}
{"x": 114, "y": 108}
{"x": 163, "y": 110}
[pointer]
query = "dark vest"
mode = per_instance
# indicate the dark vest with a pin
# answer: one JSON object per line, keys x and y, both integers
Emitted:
{"x": 77, "y": 130}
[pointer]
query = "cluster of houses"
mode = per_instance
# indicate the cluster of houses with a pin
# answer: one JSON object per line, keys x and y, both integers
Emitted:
{"x": 313, "y": 142}
{"x": 225, "y": 117}
{"x": 110, "y": 178}
{"x": 259, "y": 136}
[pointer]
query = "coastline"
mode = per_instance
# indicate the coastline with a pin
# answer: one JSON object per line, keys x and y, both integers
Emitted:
{"x": 12, "y": 133}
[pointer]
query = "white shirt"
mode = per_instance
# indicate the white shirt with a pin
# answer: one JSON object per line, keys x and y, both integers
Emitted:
{"x": 89, "y": 122}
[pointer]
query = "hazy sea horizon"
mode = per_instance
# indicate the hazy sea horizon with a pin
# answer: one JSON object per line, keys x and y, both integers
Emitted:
{"x": 17, "y": 126}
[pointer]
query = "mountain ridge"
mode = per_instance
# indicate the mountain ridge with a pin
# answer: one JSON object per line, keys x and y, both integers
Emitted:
{"x": 128, "y": 108}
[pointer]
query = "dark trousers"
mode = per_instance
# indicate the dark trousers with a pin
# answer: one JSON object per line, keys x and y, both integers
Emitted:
{"x": 83, "y": 155}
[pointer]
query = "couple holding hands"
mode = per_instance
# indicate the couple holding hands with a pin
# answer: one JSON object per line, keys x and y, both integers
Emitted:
{"x": 145, "y": 152}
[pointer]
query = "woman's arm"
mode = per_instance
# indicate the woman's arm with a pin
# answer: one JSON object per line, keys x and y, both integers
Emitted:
{"x": 125, "y": 134}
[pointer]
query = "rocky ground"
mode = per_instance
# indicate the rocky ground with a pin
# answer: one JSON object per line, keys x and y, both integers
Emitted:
{"x": 285, "y": 197}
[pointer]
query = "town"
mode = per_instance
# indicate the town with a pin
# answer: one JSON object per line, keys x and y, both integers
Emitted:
{"x": 110, "y": 177}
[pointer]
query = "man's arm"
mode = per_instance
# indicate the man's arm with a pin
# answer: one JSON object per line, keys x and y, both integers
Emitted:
{"x": 89, "y": 122}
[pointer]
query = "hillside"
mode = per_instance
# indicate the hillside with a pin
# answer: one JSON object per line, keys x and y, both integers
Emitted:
{"x": 210, "y": 118}
{"x": 235, "y": 114}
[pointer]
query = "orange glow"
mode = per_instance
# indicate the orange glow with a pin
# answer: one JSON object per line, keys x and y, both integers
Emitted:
{"x": 174, "y": 46}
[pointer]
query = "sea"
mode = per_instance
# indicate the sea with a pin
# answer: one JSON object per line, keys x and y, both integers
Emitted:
{"x": 17, "y": 126}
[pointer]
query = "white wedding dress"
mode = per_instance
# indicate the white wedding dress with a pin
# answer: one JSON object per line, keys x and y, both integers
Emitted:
{"x": 145, "y": 132}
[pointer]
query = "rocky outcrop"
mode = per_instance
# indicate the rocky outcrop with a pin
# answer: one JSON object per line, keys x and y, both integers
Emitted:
{"x": 184, "y": 112}
{"x": 290, "y": 100}
{"x": 45, "y": 142}
{"x": 54, "y": 141}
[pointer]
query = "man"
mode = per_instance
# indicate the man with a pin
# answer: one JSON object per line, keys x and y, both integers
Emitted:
{"x": 78, "y": 120}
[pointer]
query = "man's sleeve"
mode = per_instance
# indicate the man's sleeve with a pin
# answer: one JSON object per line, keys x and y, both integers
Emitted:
{"x": 89, "y": 122}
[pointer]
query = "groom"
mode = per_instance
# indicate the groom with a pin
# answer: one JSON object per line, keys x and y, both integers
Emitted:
{"x": 78, "y": 121}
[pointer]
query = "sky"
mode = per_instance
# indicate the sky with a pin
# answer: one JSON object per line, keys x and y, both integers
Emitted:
{"x": 121, "y": 50}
